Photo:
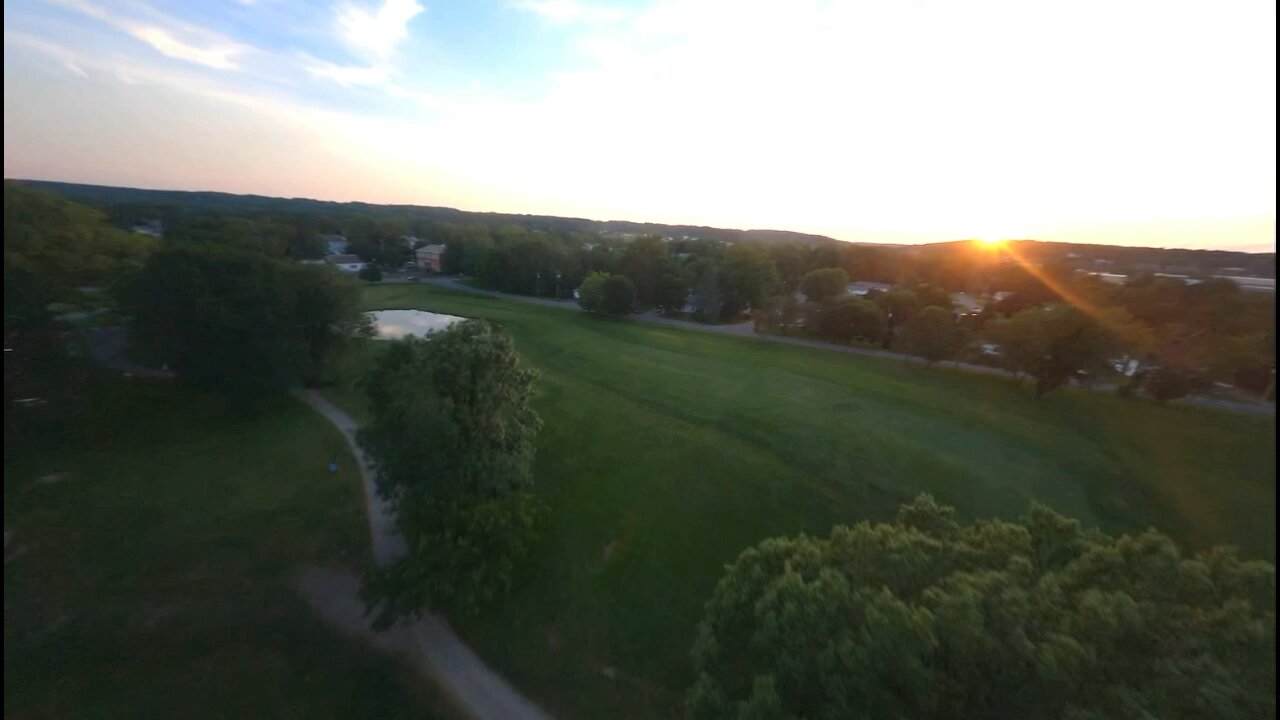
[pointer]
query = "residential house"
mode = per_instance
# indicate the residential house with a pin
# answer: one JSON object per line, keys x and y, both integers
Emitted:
{"x": 334, "y": 244}
{"x": 154, "y": 228}
{"x": 429, "y": 257}
{"x": 861, "y": 288}
{"x": 346, "y": 263}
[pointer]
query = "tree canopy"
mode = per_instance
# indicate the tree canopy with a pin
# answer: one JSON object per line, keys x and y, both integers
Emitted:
{"x": 926, "y": 617}
{"x": 824, "y": 284}
{"x": 64, "y": 243}
{"x": 1053, "y": 344}
{"x": 619, "y": 295}
{"x": 241, "y": 322}
{"x": 933, "y": 335}
{"x": 746, "y": 278}
{"x": 451, "y": 434}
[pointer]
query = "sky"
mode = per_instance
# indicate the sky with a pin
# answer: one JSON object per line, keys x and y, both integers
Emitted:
{"x": 1136, "y": 122}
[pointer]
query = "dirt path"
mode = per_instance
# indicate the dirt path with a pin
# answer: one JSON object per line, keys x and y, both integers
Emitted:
{"x": 475, "y": 688}
{"x": 746, "y": 329}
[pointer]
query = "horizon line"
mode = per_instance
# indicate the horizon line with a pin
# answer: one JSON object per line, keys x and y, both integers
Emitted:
{"x": 1235, "y": 249}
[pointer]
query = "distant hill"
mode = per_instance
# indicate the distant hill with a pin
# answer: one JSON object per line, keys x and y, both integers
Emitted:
{"x": 138, "y": 204}
{"x": 1131, "y": 260}
{"x": 105, "y": 196}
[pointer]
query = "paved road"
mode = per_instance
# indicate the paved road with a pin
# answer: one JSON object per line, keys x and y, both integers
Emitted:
{"x": 475, "y": 688}
{"x": 746, "y": 329}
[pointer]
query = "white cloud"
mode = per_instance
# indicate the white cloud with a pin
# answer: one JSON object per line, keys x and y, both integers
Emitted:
{"x": 219, "y": 57}
{"x": 166, "y": 36}
{"x": 570, "y": 11}
{"x": 372, "y": 35}
{"x": 349, "y": 75}
{"x": 376, "y": 33}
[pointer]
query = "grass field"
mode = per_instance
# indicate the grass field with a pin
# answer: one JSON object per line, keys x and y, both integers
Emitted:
{"x": 149, "y": 572}
{"x": 665, "y": 452}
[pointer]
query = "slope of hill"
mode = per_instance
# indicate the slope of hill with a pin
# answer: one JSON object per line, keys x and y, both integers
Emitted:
{"x": 155, "y": 200}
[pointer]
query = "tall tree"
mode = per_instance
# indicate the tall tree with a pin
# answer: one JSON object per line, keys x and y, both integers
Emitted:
{"x": 926, "y": 617}
{"x": 642, "y": 263}
{"x": 591, "y": 292}
{"x": 672, "y": 290}
{"x": 241, "y": 322}
{"x": 619, "y": 296}
{"x": 824, "y": 284}
{"x": 746, "y": 278}
{"x": 1054, "y": 344}
{"x": 932, "y": 335}
{"x": 451, "y": 434}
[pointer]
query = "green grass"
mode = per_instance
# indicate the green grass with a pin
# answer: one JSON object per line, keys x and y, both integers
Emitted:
{"x": 680, "y": 448}
{"x": 155, "y": 578}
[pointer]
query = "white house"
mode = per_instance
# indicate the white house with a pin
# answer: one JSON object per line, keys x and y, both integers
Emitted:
{"x": 346, "y": 263}
{"x": 154, "y": 228}
{"x": 334, "y": 244}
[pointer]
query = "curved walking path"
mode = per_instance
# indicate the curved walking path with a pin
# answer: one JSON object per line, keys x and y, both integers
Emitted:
{"x": 475, "y": 687}
{"x": 746, "y": 329}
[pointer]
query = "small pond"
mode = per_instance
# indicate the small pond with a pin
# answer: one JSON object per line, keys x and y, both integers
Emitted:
{"x": 395, "y": 324}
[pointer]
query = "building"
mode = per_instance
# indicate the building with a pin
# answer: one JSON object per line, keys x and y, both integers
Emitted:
{"x": 346, "y": 263}
{"x": 334, "y": 244}
{"x": 861, "y": 289}
{"x": 153, "y": 228}
{"x": 429, "y": 257}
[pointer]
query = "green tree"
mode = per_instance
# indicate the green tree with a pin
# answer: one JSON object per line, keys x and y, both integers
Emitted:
{"x": 619, "y": 295}
{"x": 370, "y": 273}
{"x": 672, "y": 290}
{"x": 932, "y": 335}
{"x": 866, "y": 320}
{"x": 899, "y": 306}
{"x": 792, "y": 261}
{"x": 746, "y": 278}
{"x": 642, "y": 263}
{"x": 241, "y": 322}
{"x": 451, "y": 433}
{"x": 824, "y": 284}
{"x": 779, "y": 314}
{"x": 1053, "y": 344}
{"x": 926, "y": 617}
{"x": 64, "y": 244}
{"x": 591, "y": 292}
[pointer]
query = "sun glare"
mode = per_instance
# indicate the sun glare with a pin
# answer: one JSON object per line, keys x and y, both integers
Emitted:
{"x": 991, "y": 242}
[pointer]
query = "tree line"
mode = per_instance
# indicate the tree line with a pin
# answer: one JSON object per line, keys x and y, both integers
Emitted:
{"x": 222, "y": 304}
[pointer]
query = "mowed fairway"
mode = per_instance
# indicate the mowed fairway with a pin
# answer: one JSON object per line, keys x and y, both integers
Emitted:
{"x": 665, "y": 452}
{"x": 150, "y": 570}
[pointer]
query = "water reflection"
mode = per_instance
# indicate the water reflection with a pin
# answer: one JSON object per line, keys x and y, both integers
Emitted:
{"x": 395, "y": 324}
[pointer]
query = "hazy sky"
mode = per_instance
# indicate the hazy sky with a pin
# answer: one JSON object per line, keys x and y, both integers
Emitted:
{"x": 1143, "y": 123}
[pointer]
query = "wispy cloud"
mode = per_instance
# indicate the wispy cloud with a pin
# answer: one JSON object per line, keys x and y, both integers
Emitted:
{"x": 375, "y": 33}
{"x": 570, "y": 11}
{"x": 178, "y": 40}
{"x": 67, "y": 59}
{"x": 349, "y": 75}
